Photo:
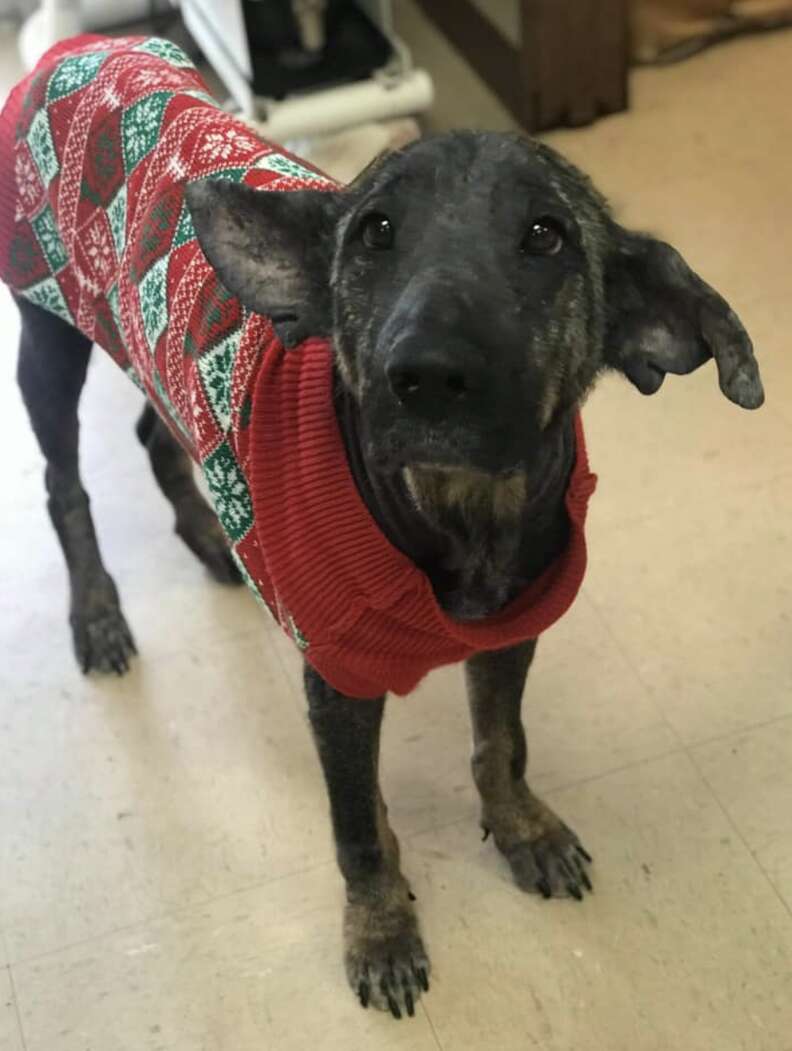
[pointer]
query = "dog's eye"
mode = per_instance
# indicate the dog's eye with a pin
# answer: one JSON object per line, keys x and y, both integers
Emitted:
{"x": 376, "y": 231}
{"x": 544, "y": 237}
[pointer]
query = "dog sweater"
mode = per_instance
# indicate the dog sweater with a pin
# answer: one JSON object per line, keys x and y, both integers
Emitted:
{"x": 96, "y": 146}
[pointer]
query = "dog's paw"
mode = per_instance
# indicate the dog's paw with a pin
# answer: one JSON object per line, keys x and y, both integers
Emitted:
{"x": 386, "y": 963}
{"x": 102, "y": 640}
{"x": 553, "y": 865}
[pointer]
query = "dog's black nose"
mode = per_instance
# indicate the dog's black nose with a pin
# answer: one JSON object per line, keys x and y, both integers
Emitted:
{"x": 424, "y": 382}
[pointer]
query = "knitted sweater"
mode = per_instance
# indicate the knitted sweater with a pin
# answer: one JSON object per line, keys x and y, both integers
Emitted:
{"x": 96, "y": 146}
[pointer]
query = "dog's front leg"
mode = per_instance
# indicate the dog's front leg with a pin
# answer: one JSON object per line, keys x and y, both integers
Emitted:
{"x": 544, "y": 854}
{"x": 385, "y": 959}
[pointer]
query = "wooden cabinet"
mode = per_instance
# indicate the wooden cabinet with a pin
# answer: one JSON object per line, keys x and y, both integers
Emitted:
{"x": 568, "y": 68}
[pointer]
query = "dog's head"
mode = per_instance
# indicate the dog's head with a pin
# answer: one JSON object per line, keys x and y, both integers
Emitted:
{"x": 474, "y": 285}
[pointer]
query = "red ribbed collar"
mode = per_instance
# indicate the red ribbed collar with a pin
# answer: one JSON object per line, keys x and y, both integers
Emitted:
{"x": 326, "y": 555}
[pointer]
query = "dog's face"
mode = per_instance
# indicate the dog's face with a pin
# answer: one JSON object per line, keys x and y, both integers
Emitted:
{"x": 474, "y": 286}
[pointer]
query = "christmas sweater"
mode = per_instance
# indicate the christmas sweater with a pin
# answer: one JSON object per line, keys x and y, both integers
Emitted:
{"x": 96, "y": 147}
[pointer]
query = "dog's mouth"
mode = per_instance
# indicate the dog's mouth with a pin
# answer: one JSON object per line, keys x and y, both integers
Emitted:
{"x": 447, "y": 449}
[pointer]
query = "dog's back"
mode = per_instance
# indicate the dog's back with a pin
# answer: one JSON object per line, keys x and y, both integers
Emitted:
{"x": 96, "y": 146}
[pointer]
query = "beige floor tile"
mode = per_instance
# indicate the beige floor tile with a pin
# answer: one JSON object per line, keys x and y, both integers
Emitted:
{"x": 10, "y": 1035}
{"x": 700, "y": 600}
{"x": 738, "y": 248}
{"x": 695, "y": 119}
{"x": 751, "y": 774}
{"x": 683, "y": 945}
{"x": 192, "y": 777}
{"x": 260, "y": 970}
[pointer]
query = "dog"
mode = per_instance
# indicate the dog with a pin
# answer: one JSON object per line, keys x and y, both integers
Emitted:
{"x": 395, "y": 403}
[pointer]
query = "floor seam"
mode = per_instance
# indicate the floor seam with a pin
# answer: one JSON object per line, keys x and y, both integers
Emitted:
{"x": 687, "y": 749}
{"x": 738, "y": 732}
{"x": 559, "y": 789}
{"x": 737, "y": 831}
{"x": 169, "y": 913}
{"x": 623, "y": 653}
{"x": 655, "y": 704}
{"x": 17, "y": 1012}
{"x": 428, "y": 1018}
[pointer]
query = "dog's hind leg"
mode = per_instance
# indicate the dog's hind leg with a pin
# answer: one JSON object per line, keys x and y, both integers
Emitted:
{"x": 196, "y": 523}
{"x": 385, "y": 960}
{"x": 53, "y": 359}
{"x": 544, "y": 854}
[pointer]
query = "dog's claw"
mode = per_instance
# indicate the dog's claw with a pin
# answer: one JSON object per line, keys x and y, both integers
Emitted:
{"x": 363, "y": 994}
{"x": 423, "y": 980}
{"x": 394, "y": 1007}
{"x": 485, "y": 836}
{"x": 584, "y": 877}
{"x": 549, "y": 865}
{"x": 408, "y": 1001}
{"x": 584, "y": 853}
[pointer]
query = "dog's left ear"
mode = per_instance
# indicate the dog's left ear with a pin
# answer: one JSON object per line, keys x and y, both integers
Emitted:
{"x": 661, "y": 317}
{"x": 271, "y": 249}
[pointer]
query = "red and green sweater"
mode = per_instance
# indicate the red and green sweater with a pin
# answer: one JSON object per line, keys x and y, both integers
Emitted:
{"x": 96, "y": 146}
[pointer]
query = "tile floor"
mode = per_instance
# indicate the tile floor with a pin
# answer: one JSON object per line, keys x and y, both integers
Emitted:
{"x": 166, "y": 872}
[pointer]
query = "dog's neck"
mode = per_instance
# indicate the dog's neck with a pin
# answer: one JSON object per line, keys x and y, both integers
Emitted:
{"x": 478, "y": 538}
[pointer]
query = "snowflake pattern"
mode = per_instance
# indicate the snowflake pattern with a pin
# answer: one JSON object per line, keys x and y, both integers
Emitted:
{"x": 140, "y": 127}
{"x": 166, "y": 50}
{"x": 97, "y": 244}
{"x": 215, "y": 367}
{"x": 177, "y": 167}
{"x": 220, "y": 145}
{"x": 28, "y": 181}
{"x": 116, "y": 214}
{"x": 49, "y": 239}
{"x": 153, "y": 307}
{"x": 146, "y": 79}
{"x": 229, "y": 492}
{"x": 276, "y": 162}
{"x": 47, "y": 294}
{"x": 73, "y": 73}
{"x": 41, "y": 146}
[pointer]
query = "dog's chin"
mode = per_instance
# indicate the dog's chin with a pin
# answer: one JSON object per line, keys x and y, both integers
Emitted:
{"x": 438, "y": 450}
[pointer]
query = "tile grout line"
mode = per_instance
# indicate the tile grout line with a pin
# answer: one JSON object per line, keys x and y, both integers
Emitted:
{"x": 432, "y": 1029}
{"x": 17, "y": 1011}
{"x": 169, "y": 914}
{"x": 633, "y": 667}
{"x": 683, "y": 744}
{"x": 737, "y": 831}
{"x": 556, "y": 790}
{"x": 688, "y": 749}
{"x": 736, "y": 732}
{"x": 328, "y": 862}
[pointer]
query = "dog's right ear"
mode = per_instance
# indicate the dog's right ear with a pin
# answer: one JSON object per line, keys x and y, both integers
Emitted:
{"x": 272, "y": 249}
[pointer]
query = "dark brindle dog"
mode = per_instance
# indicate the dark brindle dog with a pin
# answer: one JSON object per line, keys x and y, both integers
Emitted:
{"x": 475, "y": 286}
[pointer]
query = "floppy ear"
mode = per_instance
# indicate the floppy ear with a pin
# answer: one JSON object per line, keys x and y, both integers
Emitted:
{"x": 661, "y": 317}
{"x": 271, "y": 249}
